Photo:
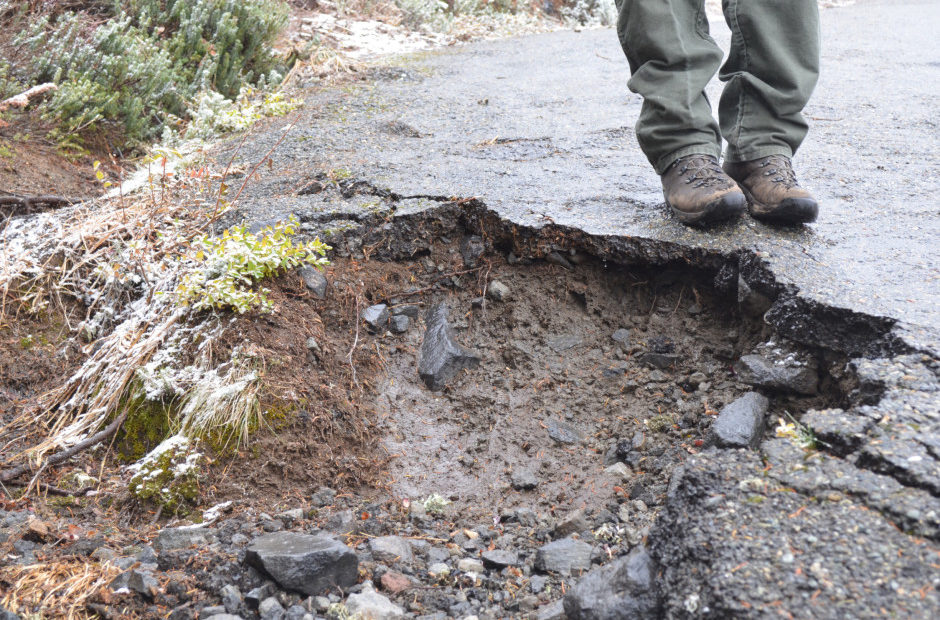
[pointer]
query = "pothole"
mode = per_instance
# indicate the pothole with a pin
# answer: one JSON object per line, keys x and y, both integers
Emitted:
{"x": 595, "y": 379}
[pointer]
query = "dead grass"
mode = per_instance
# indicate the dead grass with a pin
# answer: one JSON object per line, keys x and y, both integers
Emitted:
{"x": 56, "y": 589}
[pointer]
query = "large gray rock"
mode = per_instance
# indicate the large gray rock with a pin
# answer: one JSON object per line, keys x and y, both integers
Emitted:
{"x": 304, "y": 563}
{"x": 391, "y": 549}
{"x": 741, "y": 423}
{"x": 314, "y": 280}
{"x": 623, "y": 589}
{"x": 563, "y": 556}
{"x": 372, "y": 605}
{"x": 785, "y": 375}
{"x": 441, "y": 357}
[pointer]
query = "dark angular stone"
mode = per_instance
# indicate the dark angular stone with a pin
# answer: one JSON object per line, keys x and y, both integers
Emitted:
{"x": 563, "y": 556}
{"x": 741, "y": 423}
{"x": 314, "y": 280}
{"x": 304, "y": 563}
{"x": 441, "y": 357}
{"x": 471, "y": 248}
{"x": 623, "y": 589}
{"x": 409, "y": 310}
{"x": 658, "y": 360}
{"x": 399, "y": 324}
{"x": 500, "y": 558}
{"x": 136, "y": 581}
{"x": 563, "y": 433}
{"x": 376, "y": 317}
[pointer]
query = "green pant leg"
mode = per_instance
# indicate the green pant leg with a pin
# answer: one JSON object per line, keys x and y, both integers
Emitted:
{"x": 672, "y": 58}
{"x": 770, "y": 74}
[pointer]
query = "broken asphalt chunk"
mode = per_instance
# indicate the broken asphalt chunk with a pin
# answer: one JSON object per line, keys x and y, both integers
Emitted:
{"x": 786, "y": 374}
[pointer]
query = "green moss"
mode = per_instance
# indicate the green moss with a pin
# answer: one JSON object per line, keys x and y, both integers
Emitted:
{"x": 168, "y": 476}
{"x": 147, "y": 424}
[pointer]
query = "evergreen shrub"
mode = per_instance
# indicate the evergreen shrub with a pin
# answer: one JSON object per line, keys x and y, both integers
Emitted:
{"x": 149, "y": 60}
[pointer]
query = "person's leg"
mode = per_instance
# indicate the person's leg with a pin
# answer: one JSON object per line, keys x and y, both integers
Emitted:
{"x": 770, "y": 74}
{"x": 672, "y": 58}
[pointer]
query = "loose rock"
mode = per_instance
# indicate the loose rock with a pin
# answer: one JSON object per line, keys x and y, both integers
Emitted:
{"x": 563, "y": 432}
{"x": 371, "y": 604}
{"x": 314, "y": 280}
{"x": 441, "y": 357}
{"x": 500, "y": 558}
{"x": 399, "y": 324}
{"x": 563, "y": 556}
{"x": 623, "y": 589}
{"x": 574, "y": 523}
{"x": 305, "y": 563}
{"x": 376, "y": 317}
{"x": 497, "y": 291}
{"x": 391, "y": 549}
{"x": 741, "y": 423}
{"x": 785, "y": 375}
{"x": 523, "y": 480}
{"x": 181, "y": 537}
{"x": 394, "y": 582}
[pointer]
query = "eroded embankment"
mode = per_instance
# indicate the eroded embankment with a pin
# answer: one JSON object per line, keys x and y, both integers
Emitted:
{"x": 626, "y": 425}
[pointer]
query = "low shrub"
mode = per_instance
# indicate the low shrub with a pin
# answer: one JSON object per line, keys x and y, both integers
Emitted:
{"x": 147, "y": 61}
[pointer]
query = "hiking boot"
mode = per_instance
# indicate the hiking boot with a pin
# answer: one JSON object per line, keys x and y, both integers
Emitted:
{"x": 772, "y": 190}
{"x": 698, "y": 191}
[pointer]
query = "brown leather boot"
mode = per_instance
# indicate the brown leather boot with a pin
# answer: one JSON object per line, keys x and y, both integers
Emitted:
{"x": 772, "y": 190}
{"x": 698, "y": 191}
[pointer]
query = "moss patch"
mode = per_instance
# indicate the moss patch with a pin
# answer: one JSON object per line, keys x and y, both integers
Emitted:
{"x": 169, "y": 475}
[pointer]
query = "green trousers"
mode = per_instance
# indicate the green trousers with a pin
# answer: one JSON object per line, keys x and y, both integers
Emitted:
{"x": 771, "y": 70}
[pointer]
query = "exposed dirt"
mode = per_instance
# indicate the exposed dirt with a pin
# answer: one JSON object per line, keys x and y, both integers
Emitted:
{"x": 33, "y": 166}
{"x": 555, "y": 397}
{"x": 555, "y": 393}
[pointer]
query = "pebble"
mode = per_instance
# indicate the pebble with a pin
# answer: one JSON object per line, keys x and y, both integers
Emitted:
{"x": 497, "y": 291}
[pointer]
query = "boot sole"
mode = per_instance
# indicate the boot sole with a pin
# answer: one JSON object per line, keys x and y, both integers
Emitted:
{"x": 787, "y": 212}
{"x": 725, "y": 208}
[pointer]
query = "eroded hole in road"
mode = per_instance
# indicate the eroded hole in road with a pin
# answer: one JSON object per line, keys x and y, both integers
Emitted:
{"x": 594, "y": 382}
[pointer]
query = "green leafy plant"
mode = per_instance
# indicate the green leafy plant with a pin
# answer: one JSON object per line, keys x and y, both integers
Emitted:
{"x": 233, "y": 262}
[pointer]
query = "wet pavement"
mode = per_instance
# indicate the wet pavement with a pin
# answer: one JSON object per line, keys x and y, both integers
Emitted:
{"x": 539, "y": 128}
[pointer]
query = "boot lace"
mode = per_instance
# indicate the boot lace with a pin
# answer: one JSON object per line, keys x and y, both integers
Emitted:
{"x": 779, "y": 167}
{"x": 702, "y": 170}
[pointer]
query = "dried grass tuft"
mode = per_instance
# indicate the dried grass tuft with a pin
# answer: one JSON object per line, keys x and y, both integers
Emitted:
{"x": 59, "y": 589}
